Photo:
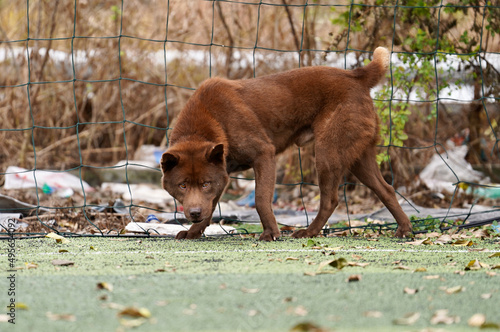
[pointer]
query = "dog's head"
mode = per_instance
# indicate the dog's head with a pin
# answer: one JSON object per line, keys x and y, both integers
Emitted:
{"x": 194, "y": 173}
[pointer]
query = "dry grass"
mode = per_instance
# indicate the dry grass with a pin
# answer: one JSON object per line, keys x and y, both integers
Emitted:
{"x": 59, "y": 115}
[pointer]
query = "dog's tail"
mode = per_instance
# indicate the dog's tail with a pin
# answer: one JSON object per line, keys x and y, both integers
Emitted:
{"x": 371, "y": 74}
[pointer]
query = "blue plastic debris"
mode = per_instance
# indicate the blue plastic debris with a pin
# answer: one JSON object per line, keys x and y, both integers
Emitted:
{"x": 152, "y": 218}
{"x": 250, "y": 199}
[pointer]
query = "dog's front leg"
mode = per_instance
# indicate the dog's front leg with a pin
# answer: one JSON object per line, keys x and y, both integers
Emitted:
{"x": 265, "y": 176}
{"x": 195, "y": 231}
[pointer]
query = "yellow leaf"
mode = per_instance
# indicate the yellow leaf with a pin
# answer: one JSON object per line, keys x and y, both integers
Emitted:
{"x": 497, "y": 254}
{"x": 473, "y": 265}
{"x": 31, "y": 265}
{"x": 57, "y": 237}
{"x": 135, "y": 312}
{"x": 463, "y": 242}
{"x": 22, "y": 306}
{"x": 105, "y": 285}
{"x": 420, "y": 269}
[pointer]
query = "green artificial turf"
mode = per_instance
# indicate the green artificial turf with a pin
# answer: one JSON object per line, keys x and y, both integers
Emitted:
{"x": 231, "y": 284}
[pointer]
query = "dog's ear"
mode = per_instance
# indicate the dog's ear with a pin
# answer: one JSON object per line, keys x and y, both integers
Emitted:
{"x": 168, "y": 161}
{"x": 216, "y": 154}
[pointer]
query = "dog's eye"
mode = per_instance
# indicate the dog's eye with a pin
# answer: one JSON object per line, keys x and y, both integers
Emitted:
{"x": 206, "y": 184}
{"x": 183, "y": 186}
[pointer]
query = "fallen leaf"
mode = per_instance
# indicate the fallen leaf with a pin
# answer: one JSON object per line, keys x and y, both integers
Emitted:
{"x": 21, "y": 306}
{"x": 63, "y": 250}
{"x": 31, "y": 265}
{"x": 253, "y": 312}
{"x": 311, "y": 243}
{"x": 476, "y": 320}
{"x": 441, "y": 317}
{"x": 4, "y": 318}
{"x": 497, "y": 254}
{"x": 486, "y": 296}
{"x": 135, "y": 312}
{"x": 113, "y": 305}
{"x": 408, "y": 319}
{"x": 105, "y": 285}
{"x": 57, "y": 237}
{"x": 297, "y": 311}
{"x": 354, "y": 277}
{"x": 291, "y": 259}
{"x": 132, "y": 323}
{"x": 443, "y": 239}
{"x": 62, "y": 262}
{"x": 357, "y": 264}
{"x": 289, "y": 299}
{"x": 307, "y": 327}
{"x": 490, "y": 325}
{"x": 92, "y": 248}
{"x": 410, "y": 291}
{"x": 476, "y": 265}
{"x": 339, "y": 263}
{"x": 454, "y": 290}
{"x": 425, "y": 241}
{"x": 373, "y": 314}
{"x": 401, "y": 267}
{"x": 496, "y": 266}
{"x": 250, "y": 290}
{"x": 431, "y": 277}
{"x": 463, "y": 243}
{"x": 65, "y": 317}
{"x": 420, "y": 269}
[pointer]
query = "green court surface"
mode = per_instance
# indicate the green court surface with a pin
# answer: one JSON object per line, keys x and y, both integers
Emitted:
{"x": 240, "y": 284}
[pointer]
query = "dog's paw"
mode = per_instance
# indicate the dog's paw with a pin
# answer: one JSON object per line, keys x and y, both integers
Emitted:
{"x": 268, "y": 236}
{"x": 404, "y": 232}
{"x": 181, "y": 235}
{"x": 186, "y": 235}
{"x": 301, "y": 233}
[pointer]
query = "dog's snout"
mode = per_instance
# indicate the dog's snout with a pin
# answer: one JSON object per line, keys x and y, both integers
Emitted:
{"x": 195, "y": 213}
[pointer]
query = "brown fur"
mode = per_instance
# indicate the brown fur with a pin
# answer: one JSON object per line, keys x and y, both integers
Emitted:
{"x": 228, "y": 126}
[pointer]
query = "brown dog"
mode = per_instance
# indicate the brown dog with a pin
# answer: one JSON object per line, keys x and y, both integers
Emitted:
{"x": 229, "y": 126}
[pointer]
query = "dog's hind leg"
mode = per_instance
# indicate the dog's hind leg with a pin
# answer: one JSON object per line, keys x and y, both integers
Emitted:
{"x": 329, "y": 177}
{"x": 367, "y": 171}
